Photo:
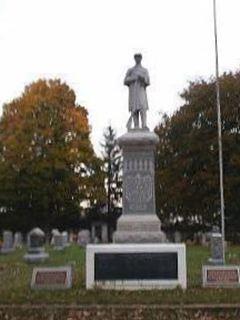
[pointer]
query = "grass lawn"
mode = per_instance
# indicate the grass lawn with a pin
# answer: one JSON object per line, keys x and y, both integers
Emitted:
{"x": 15, "y": 276}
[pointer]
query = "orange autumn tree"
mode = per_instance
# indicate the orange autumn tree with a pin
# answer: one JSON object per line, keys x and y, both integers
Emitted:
{"x": 47, "y": 163}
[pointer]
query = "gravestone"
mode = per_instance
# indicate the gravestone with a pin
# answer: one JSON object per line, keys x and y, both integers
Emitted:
{"x": 99, "y": 232}
{"x": 52, "y": 278}
{"x": 7, "y": 245}
{"x": 58, "y": 241}
{"x": 72, "y": 237}
{"x": 65, "y": 239}
{"x": 216, "y": 274}
{"x": 83, "y": 238}
{"x": 221, "y": 276}
{"x": 18, "y": 240}
{"x": 36, "y": 251}
{"x": 216, "y": 247}
{"x": 104, "y": 233}
{"x": 204, "y": 240}
{"x": 53, "y": 233}
{"x": 177, "y": 237}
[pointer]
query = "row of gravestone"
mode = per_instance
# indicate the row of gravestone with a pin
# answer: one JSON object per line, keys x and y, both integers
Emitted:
{"x": 44, "y": 277}
{"x": 215, "y": 274}
{"x": 199, "y": 238}
{"x": 60, "y": 240}
{"x": 36, "y": 239}
{"x": 10, "y": 242}
{"x": 61, "y": 277}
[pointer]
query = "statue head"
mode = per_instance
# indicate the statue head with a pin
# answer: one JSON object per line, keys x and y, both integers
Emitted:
{"x": 138, "y": 58}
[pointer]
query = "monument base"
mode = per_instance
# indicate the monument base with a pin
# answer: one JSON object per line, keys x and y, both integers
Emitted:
{"x": 215, "y": 262}
{"x": 139, "y": 228}
{"x": 6, "y": 250}
{"x": 59, "y": 248}
{"x": 136, "y": 266}
{"x": 36, "y": 257}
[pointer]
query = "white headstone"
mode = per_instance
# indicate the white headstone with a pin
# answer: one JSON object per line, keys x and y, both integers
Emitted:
{"x": 177, "y": 237}
{"x": 65, "y": 239}
{"x": 58, "y": 241}
{"x": 71, "y": 237}
{"x": 104, "y": 233}
{"x": 18, "y": 240}
{"x": 53, "y": 233}
{"x": 83, "y": 237}
{"x": 7, "y": 245}
{"x": 204, "y": 240}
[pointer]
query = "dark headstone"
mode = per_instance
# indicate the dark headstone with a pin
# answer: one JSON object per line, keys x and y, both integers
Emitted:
{"x": 36, "y": 251}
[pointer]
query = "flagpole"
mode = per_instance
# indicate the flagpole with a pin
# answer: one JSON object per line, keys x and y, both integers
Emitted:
{"x": 219, "y": 131}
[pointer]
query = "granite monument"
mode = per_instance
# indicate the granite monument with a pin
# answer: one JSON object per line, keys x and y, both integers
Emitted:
{"x": 139, "y": 222}
{"x": 138, "y": 258}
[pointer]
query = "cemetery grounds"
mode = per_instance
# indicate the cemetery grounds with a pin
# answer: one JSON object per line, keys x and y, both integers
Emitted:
{"x": 15, "y": 278}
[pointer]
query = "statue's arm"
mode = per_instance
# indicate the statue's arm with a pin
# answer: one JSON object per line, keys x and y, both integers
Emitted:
{"x": 147, "y": 79}
{"x": 129, "y": 79}
{"x": 144, "y": 78}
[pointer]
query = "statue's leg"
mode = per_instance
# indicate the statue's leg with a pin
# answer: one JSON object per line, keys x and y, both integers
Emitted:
{"x": 129, "y": 123}
{"x": 143, "y": 114}
{"x": 136, "y": 119}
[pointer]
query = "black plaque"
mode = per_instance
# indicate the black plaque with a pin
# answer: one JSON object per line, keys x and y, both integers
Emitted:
{"x": 136, "y": 266}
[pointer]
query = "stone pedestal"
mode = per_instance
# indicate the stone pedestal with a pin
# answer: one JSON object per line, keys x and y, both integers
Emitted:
{"x": 136, "y": 266}
{"x": 139, "y": 222}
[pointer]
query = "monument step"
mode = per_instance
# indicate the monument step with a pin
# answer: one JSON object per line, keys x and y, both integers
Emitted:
{"x": 139, "y": 237}
{"x": 139, "y": 222}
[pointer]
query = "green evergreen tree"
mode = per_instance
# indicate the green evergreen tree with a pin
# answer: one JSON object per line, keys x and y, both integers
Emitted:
{"x": 112, "y": 167}
{"x": 187, "y": 177}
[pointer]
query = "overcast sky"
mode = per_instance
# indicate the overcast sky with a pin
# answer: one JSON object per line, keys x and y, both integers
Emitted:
{"x": 90, "y": 44}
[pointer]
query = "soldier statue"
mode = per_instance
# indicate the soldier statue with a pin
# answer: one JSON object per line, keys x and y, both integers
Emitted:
{"x": 137, "y": 79}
